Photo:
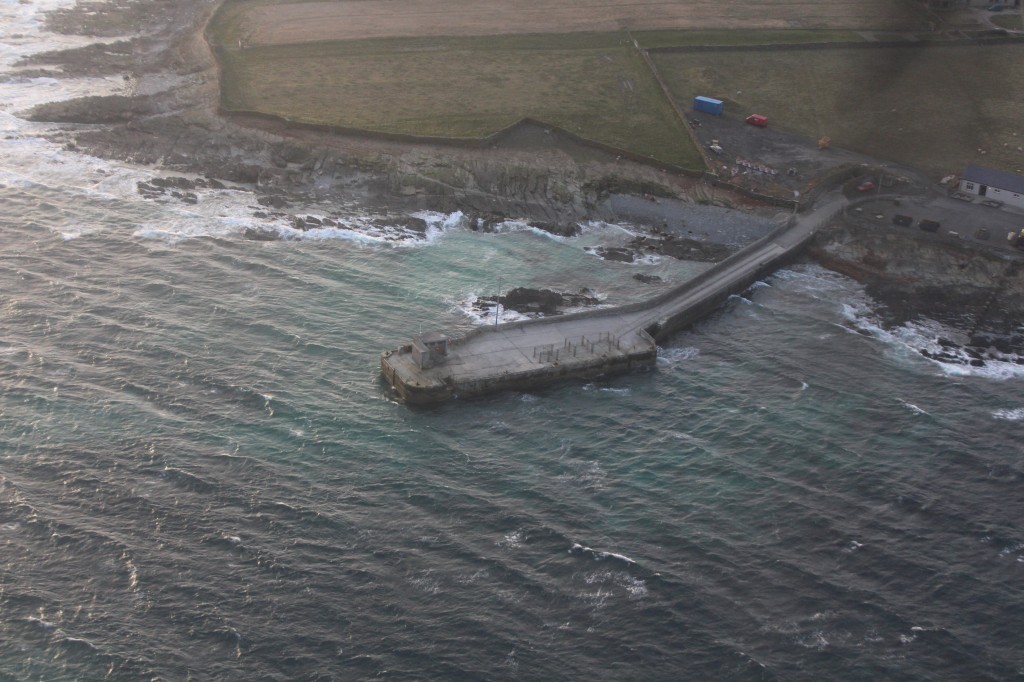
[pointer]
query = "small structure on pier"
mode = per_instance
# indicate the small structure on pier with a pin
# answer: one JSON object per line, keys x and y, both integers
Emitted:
{"x": 429, "y": 350}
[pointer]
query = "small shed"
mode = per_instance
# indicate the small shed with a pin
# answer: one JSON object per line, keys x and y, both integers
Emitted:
{"x": 708, "y": 105}
{"x": 429, "y": 350}
{"x": 994, "y": 184}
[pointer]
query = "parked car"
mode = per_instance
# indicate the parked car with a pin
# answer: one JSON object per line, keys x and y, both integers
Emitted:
{"x": 997, "y": 7}
{"x": 757, "y": 120}
{"x": 866, "y": 186}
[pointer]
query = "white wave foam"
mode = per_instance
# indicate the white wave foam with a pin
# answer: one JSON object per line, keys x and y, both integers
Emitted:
{"x": 600, "y": 225}
{"x": 440, "y": 223}
{"x": 636, "y": 587}
{"x": 225, "y": 213}
{"x": 816, "y": 281}
{"x": 22, "y": 34}
{"x": 606, "y": 389}
{"x": 40, "y": 623}
{"x": 648, "y": 259}
{"x": 371, "y": 235}
{"x": 914, "y": 409}
{"x": 599, "y": 555}
{"x": 513, "y": 540}
{"x": 523, "y": 226}
{"x": 672, "y": 356}
{"x": 997, "y": 370}
{"x": 1014, "y": 415}
{"x": 911, "y": 340}
{"x": 49, "y": 173}
{"x": 486, "y": 316}
{"x": 1011, "y": 549}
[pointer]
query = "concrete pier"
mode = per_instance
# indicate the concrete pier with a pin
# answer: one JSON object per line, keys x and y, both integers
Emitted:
{"x": 530, "y": 354}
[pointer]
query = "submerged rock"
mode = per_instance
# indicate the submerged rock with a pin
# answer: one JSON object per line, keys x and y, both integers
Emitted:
{"x": 272, "y": 200}
{"x": 412, "y": 223}
{"x": 617, "y": 254}
{"x": 260, "y": 234}
{"x": 560, "y": 230}
{"x": 485, "y": 222}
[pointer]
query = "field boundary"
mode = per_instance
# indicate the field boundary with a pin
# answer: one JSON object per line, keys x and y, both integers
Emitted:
{"x": 464, "y": 142}
{"x": 708, "y": 175}
{"x": 841, "y": 45}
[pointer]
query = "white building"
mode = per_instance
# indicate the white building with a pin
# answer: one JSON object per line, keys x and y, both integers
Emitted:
{"x": 994, "y": 184}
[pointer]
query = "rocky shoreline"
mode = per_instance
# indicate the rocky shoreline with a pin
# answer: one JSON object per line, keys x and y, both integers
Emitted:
{"x": 167, "y": 118}
{"x": 918, "y": 276}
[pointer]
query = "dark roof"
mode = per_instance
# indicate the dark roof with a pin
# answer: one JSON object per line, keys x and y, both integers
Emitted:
{"x": 995, "y": 178}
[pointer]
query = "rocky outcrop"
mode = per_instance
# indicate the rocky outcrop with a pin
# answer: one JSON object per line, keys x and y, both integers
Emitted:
{"x": 538, "y": 302}
{"x": 176, "y": 188}
{"x": 665, "y": 245}
{"x": 104, "y": 109}
{"x": 914, "y": 274}
{"x": 410, "y": 223}
{"x": 682, "y": 248}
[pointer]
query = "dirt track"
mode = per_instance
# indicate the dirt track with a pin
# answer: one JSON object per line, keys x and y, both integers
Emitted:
{"x": 274, "y": 24}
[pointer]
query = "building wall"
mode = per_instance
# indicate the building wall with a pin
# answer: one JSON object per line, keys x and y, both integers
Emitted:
{"x": 1006, "y": 196}
{"x": 969, "y": 187}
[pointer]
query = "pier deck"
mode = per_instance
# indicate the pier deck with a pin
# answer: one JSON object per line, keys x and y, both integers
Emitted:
{"x": 529, "y": 354}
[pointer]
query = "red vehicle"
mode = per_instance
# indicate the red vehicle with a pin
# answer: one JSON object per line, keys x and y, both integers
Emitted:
{"x": 866, "y": 186}
{"x": 758, "y": 120}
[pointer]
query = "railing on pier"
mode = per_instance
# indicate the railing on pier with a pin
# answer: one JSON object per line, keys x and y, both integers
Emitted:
{"x": 573, "y": 347}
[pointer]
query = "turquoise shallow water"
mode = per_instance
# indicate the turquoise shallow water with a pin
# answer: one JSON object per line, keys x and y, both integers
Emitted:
{"x": 201, "y": 475}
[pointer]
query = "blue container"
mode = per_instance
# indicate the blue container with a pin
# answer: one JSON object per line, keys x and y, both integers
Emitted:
{"x": 708, "y": 105}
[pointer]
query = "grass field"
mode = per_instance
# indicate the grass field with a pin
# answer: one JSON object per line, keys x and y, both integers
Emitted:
{"x": 933, "y": 108}
{"x": 467, "y": 68}
{"x": 1010, "y": 20}
{"x": 594, "y": 85}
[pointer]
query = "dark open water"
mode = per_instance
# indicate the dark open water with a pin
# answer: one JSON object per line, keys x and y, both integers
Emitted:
{"x": 201, "y": 477}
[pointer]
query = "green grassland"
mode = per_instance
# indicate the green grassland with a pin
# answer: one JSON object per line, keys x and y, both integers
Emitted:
{"x": 934, "y": 108}
{"x": 594, "y": 85}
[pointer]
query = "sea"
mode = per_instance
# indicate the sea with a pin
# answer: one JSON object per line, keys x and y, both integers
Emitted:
{"x": 202, "y": 476}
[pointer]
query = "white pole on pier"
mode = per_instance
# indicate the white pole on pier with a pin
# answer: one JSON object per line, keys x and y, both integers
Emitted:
{"x": 497, "y": 304}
